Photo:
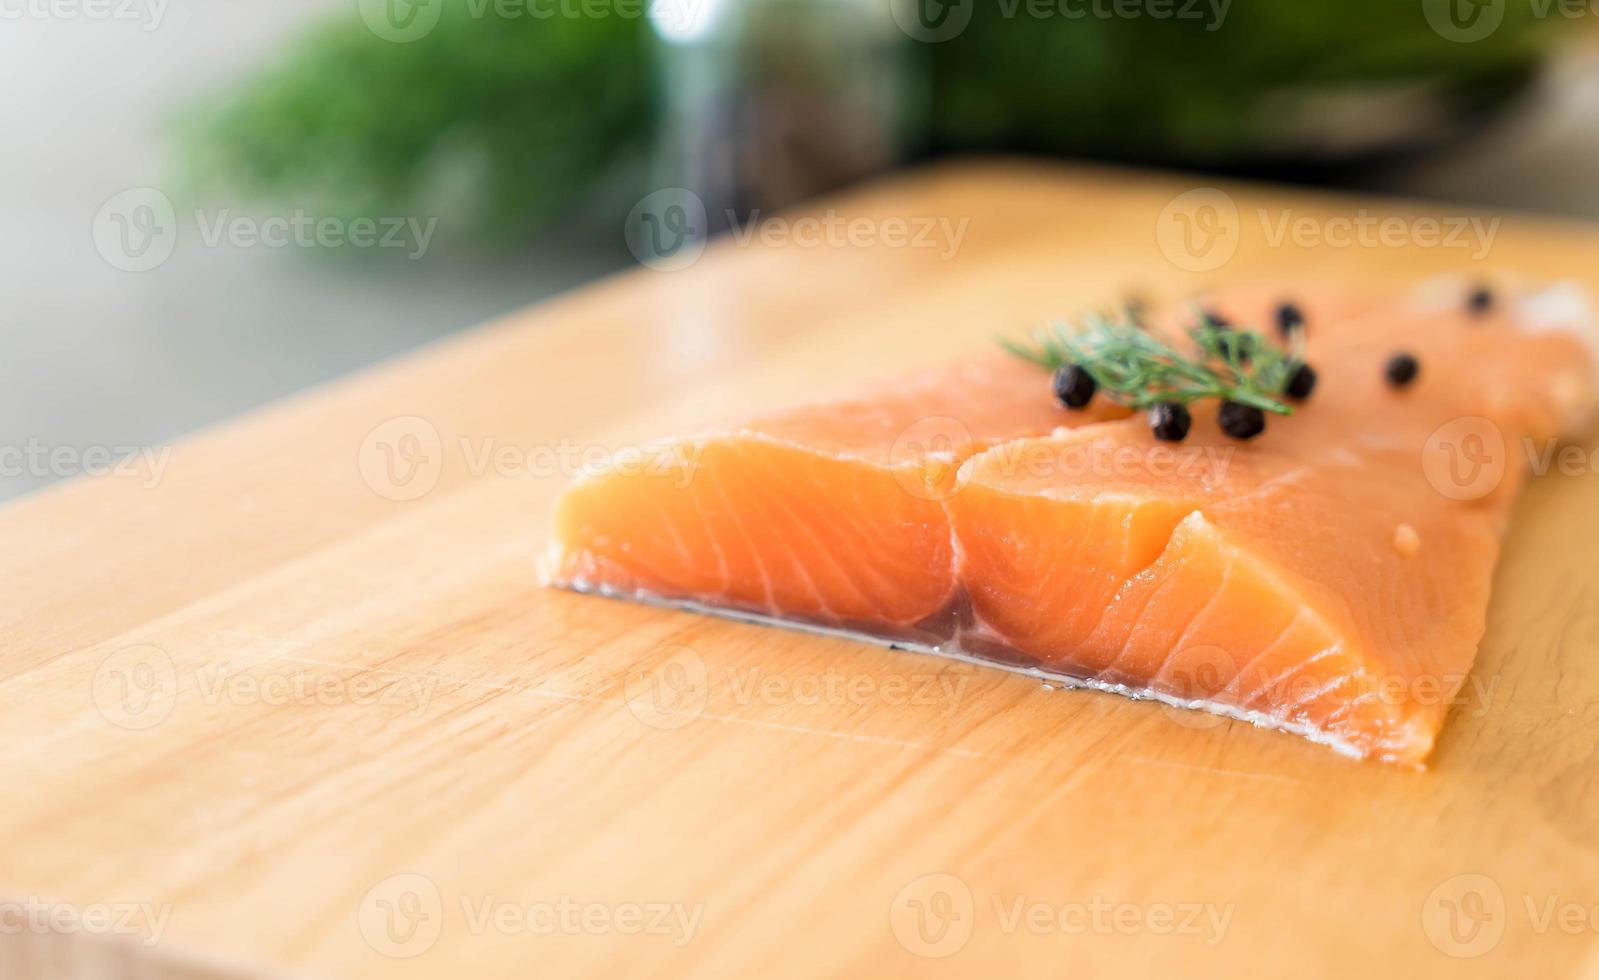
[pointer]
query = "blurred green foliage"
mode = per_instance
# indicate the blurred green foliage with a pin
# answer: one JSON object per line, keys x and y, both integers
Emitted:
{"x": 1175, "y": 90}
{"x": 509, "y": 122}
{"x": 505, "y": 120}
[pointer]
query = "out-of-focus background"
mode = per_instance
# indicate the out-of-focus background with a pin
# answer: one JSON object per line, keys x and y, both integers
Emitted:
{"x": 210, "y": 205}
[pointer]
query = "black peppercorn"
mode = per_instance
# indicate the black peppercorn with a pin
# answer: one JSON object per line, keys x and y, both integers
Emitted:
{"x": 1074, "y": 386}
{"x": 1241, "y": 421}
{"x": 1170, "y": 422}
{"x": 1480, "y": 301}
{"x": 1301, "y": 382}
{"x": 1401, "y": 370}
{"x": 1289, "y": 319}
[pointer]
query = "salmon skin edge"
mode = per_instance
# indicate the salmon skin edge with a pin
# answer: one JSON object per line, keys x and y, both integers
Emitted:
{"x": 952, "y": 651}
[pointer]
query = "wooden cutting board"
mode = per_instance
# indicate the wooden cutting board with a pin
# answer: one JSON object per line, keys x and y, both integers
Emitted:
{"x": 293, "y": 703}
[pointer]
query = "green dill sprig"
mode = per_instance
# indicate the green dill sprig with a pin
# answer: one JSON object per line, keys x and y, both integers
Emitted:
{"x": 1138, "y": 370}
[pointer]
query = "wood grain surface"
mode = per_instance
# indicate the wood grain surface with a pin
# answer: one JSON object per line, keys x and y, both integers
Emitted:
{"x": 290, "y": 701}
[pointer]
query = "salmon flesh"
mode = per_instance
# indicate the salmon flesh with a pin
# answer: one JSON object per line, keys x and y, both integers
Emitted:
{"x": 1329, "y": 578}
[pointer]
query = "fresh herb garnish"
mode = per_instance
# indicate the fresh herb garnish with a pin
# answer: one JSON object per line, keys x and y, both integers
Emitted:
{"x": 1138, "y": 370}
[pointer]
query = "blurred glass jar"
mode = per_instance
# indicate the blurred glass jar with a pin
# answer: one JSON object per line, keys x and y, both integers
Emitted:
{"x": 769, "y": 102}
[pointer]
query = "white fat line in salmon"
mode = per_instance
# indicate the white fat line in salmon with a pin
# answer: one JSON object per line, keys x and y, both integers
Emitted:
{"x": 831, "y": 229}
{"x": 1364, "y": 229}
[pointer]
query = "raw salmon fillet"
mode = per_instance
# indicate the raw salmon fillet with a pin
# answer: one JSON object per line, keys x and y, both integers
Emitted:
{"x": 1329, "y": 578}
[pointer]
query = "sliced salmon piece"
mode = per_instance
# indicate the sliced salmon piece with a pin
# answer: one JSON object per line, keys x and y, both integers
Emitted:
{"x": 830, "y": 513}
{"x": 1330, "y": 577}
